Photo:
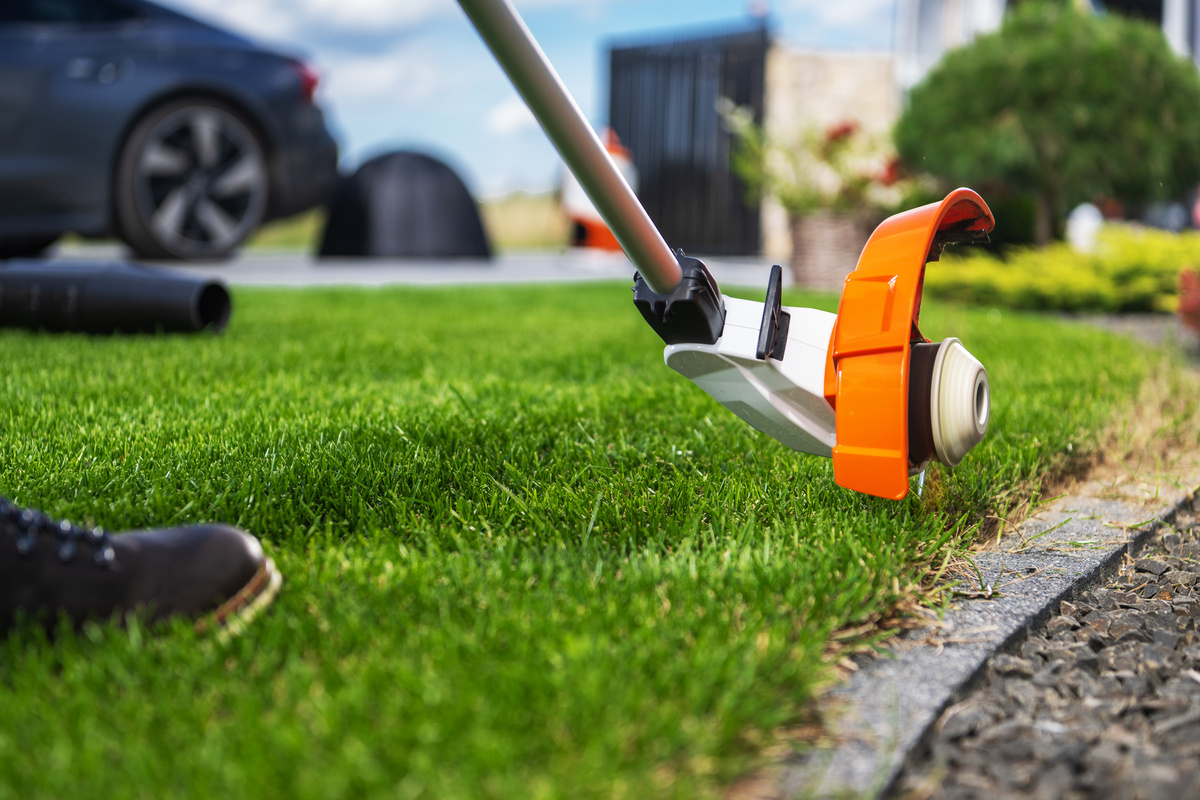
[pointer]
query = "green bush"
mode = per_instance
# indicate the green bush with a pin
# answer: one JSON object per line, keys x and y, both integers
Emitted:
{"x": 1131, "y": 269}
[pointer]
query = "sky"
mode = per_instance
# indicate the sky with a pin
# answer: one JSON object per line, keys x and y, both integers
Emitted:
{"x": 413, "y": 74}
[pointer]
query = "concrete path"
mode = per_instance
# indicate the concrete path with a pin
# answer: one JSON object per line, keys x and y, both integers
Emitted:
{"x": 292, "y": 269}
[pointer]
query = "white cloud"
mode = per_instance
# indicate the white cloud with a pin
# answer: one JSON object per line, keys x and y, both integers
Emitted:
{"x": 276, "y": 19}
{"x": 846, "y": 14}
{"x": 372, "y": 15}
{"x": 407, "y": 75}
{"x": 509, "y": 117}
{"x": 270, "y": 19}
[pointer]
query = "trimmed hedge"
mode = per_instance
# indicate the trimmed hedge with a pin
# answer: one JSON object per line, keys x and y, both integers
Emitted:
{"x": 1130, "y": 269}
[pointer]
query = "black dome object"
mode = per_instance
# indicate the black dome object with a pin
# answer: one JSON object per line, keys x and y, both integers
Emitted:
{"x": 405, "y": 205}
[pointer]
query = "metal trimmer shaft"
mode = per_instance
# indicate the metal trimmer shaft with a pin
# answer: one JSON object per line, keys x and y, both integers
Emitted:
{"x": 539, "y": 85}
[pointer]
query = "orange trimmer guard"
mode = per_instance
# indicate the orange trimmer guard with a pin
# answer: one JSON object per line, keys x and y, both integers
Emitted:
{"x": 867, "y": 370}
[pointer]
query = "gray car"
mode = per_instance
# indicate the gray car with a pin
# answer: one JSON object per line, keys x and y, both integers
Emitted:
{"x": 121, "y": 117}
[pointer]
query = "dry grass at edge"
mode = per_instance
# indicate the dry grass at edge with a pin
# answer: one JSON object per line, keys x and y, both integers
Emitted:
{"x": 1156, "y": 445}
{"x": 1151, "y": 450}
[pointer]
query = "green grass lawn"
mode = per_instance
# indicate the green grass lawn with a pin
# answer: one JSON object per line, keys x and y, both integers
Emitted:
{"x": 522, "y": 558}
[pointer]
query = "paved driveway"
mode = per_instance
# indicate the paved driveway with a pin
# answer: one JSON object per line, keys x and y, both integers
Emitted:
{"x": 286, "y": 269}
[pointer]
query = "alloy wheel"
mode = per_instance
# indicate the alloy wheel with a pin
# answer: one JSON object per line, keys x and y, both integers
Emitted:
{"x": 200, "y": 182}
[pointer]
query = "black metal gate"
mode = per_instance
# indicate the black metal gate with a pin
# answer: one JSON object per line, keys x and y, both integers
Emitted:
{"x": 663, "y": 105}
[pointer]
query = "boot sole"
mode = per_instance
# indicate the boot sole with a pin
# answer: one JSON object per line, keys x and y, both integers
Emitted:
{"x": 232, "y": 616}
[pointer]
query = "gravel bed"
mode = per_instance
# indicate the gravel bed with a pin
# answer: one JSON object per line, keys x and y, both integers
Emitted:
{"x": 1103, "y": 702}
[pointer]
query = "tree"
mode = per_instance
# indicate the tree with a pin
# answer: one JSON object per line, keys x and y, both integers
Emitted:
{"x": 1061, "y": 104}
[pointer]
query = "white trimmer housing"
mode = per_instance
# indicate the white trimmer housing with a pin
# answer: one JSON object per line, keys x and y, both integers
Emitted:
{"x": 768, "y": 366}
{"x": 783, "y": 398}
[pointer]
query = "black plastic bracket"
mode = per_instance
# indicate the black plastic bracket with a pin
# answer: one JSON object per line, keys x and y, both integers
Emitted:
{"x": 773, "y": 333}
{"x": 958, "y": 233}
{"x": 694, "y": 312}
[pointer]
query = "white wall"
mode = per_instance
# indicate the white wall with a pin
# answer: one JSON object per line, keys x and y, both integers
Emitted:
{"x": 925, "y": 29}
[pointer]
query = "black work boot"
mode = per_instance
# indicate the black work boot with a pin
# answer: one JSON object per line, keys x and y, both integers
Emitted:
{"x": 213, "y": 574}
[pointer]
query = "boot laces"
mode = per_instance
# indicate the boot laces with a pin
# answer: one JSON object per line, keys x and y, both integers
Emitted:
{"x": 67, "y": 537}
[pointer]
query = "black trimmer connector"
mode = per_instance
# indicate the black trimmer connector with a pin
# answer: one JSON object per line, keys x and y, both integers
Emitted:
{"x": 773, "y": 333}
{"x": 694, "y": 312}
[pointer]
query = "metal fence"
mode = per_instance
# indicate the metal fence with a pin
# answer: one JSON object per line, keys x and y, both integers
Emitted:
{"x": 663, "y": 105}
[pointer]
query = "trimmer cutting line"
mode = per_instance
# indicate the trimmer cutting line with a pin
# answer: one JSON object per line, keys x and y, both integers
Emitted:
{"x": 863, "y": 386}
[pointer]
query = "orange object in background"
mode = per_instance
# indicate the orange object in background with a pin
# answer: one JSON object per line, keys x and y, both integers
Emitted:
{"x": 587, "y": 227}
{"x": 867, "y": 368}
{"x": 1189, "y": 298}
{"x": 593, "y": 233}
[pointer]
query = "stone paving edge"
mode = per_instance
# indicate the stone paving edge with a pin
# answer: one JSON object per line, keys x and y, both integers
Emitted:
{"x": 886, "y": 711}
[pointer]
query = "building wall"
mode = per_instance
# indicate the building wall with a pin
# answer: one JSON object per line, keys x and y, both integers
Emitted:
{"x": 1181, "y": 26}
{"x": 807, "y": 88}
{"x": 925, "y": 29}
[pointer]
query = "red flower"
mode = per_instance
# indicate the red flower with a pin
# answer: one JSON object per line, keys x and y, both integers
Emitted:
{"x": 843, "y": 130}
{"x": 891, "y": 173}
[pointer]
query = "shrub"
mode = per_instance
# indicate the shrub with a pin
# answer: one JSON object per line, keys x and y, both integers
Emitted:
{"x": 1132, "y": 269}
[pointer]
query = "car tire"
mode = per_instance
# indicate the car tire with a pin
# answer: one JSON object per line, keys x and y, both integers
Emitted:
{"x": 25, "y": 246}
{"x": 191, "y": 181}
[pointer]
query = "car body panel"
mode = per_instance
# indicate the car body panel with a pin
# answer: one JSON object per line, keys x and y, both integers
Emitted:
{"x": 71, "y": 93}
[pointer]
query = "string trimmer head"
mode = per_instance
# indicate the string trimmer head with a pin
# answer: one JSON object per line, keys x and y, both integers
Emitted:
{"x": 863, "y": 385}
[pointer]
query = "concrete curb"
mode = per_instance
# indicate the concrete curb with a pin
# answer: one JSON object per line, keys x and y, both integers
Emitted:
{"x": 883, "y": 715}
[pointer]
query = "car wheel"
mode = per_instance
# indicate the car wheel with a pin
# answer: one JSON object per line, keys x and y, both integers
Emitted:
{"x": 25, "y": 246}
{"x": 191, "y": 182}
